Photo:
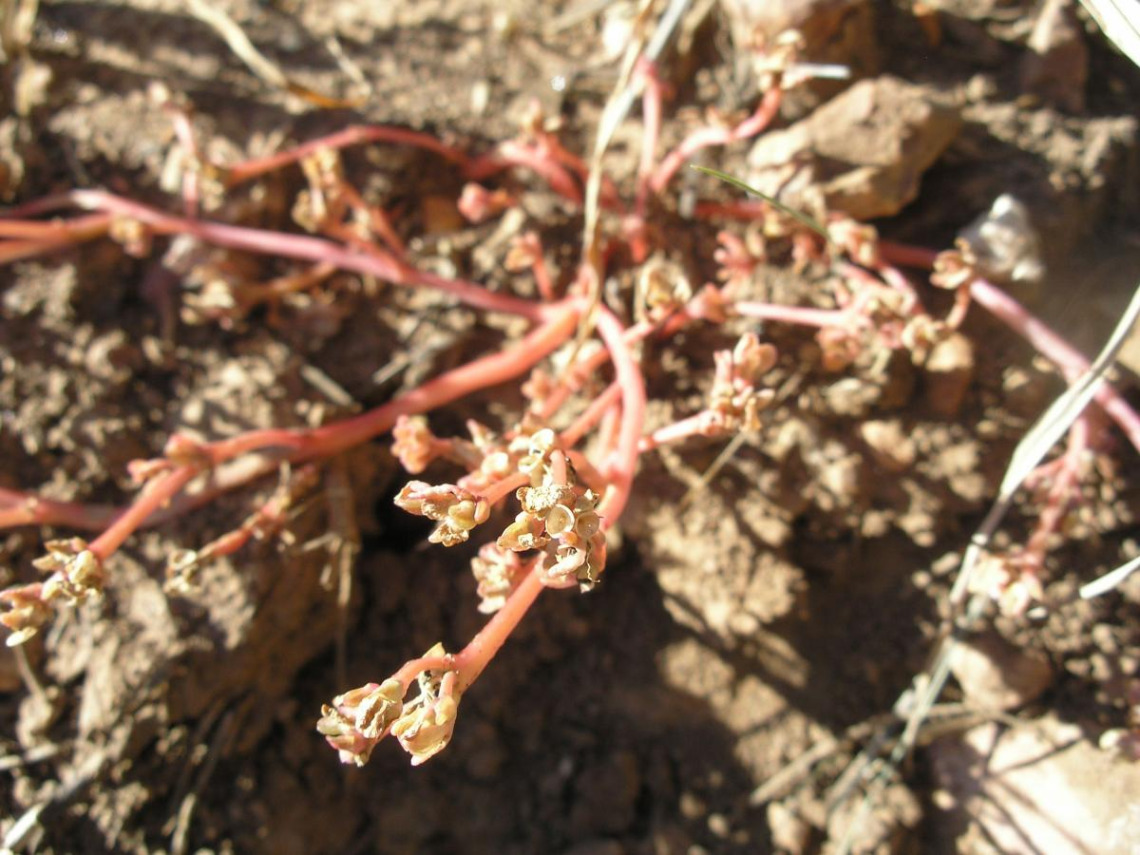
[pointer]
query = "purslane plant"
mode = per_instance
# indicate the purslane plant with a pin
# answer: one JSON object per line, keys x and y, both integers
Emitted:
{"x": 567, "y": 499}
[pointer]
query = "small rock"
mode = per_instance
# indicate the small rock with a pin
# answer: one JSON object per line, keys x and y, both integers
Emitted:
{"x": 33, "y": 81}
{"x": 790, "y": 832}
{"x": 1039, "y": 788}
{"x": 668, "y": 839}
{"x": 1026, "y": 391}
{"x": 840, "y": 479}
{"x": 949, "y": 371}
{"x": 718, "y": 824}
{"x": 851, "y": 397}
{"x": 890, "y": 828}
{"x": 889, "y": 444}
{"x": 440, "y": 216}
{"x": 997, "y": 675}
{"x": 692, "y": 806}
{"x": 1006, "y": 243}
{"x": 866, "y": 150}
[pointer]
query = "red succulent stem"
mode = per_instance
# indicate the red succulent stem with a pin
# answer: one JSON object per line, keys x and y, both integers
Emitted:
{"x": 240, "y": 173}
{"x": 623, "y": 461}
{"x": 906, "y": 255}
{"x": 801, "y": 315}
{"x": 695, "y": 425}
{"x": 20, "y": 508}
{"x": 36, "y": 239}
{"x": 305, "y": 444}
{"x": 155, "y": 495}
{"x": 267, "y": 242}
{"x": 534, "y": 157}
{"x": 585, "y": 368}
{"x": 708, "y": 136}
{"x": 501, "y": 489}
{"x": 308, "y": 444}
{"x": 590, "y": 416}
{"x": 413, "y": 668}
{"x": 478, "y": 653}
{"x": 1049, "y": 344}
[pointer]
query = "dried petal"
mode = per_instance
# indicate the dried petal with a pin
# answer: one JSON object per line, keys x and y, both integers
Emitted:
{"x": 360, "y": 718}
{"x": 954, "y": 268}
{"x": 477, "y": 203}
{"x": 595, "y": 564}
{"x": 182, "y": 570}
{"x": 563, "y": 563}
{"x": 542, "y": 441}
{"x": 839, "y": 348}
{"x": 426, "y": 731}
{"x": 448, "y": 534}
{"x": 524, "y": 252}
{"x": 710, "y": 305}
{"x": 27, "y": 612}
{"x": 526, "y": 532}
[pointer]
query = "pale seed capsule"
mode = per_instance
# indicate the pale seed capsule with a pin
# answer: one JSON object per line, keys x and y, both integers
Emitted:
{"x": 559, "y": 520}
{"x": 588, "y": 524}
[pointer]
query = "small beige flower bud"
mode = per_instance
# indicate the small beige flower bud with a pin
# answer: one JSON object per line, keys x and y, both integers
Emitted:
{"x": 526, "y": 532}
{"x": 426, "y": 731}
{"x": 415, "y": 446}
{"x": 78, "y": 573}
{"x": 27, "y": 612}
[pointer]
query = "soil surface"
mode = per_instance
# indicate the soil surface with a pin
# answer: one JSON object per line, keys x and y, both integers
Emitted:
{"x": 775, "y": 607}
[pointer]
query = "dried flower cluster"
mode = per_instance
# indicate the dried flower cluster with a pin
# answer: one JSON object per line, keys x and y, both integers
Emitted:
{"x": 76, "y": 576}
{"x": 360, "y": 718}
{"x": 736, "y": 402}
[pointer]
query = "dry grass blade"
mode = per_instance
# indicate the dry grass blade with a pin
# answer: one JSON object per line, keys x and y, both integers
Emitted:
{"x": 257, "y": 62}
{"x": 616, "y": 109}
{"x": 1109, "y": 580}
{"x": 726, "y": 454}
{"x": 1120, "y": 20}
{"x": 618, "y": 106}
{"x": 798, "y": 216}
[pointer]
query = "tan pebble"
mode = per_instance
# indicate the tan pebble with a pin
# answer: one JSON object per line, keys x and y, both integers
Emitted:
{"x": 790, "y": 832}
{"x": 997, "y": 675}
{"x": 889, "y": 444}
{"x": 949, "y": 371}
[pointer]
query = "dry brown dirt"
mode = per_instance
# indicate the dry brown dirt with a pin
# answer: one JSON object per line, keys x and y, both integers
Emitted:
{"x": 740, "y": 623}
